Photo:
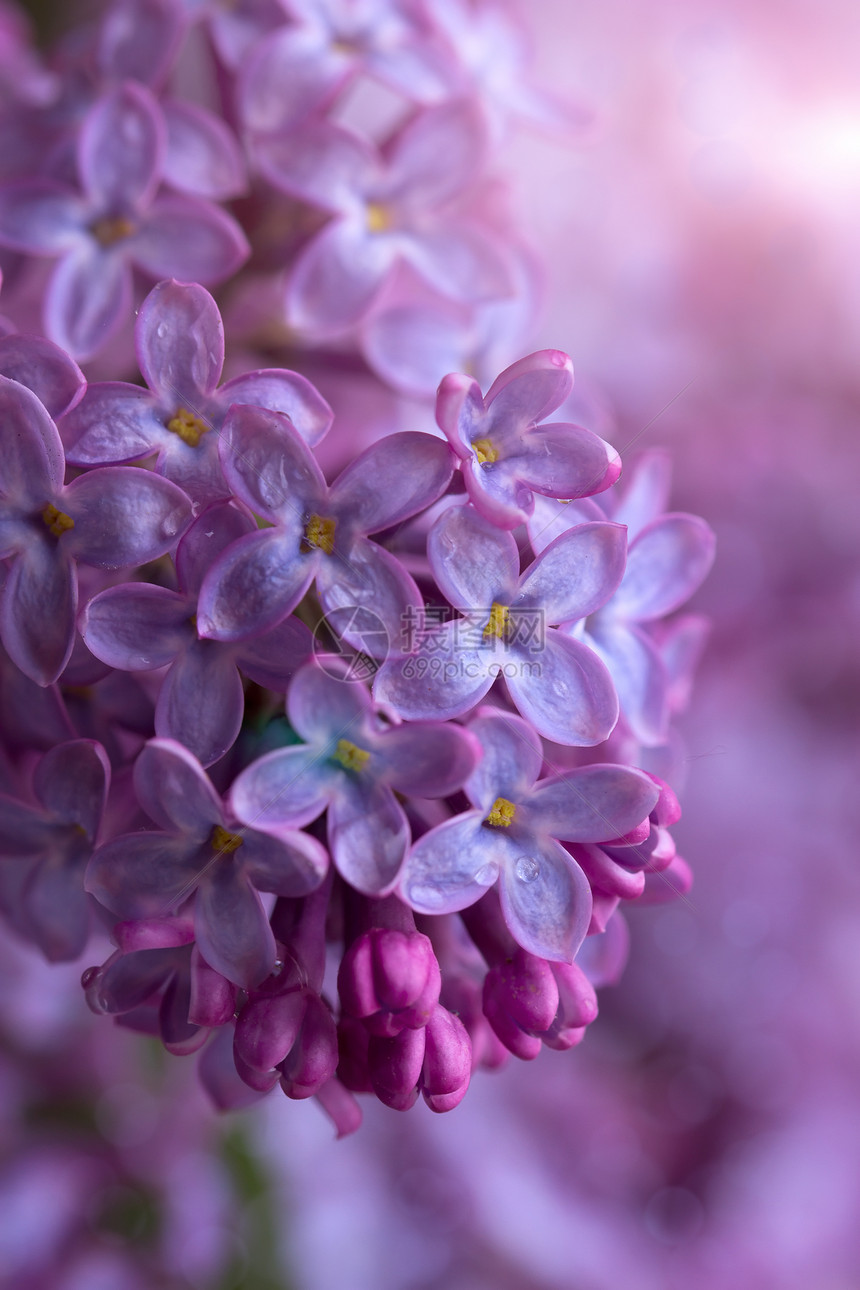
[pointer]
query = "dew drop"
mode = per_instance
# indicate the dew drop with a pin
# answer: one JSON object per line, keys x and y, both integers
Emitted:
{"x": 423, "y": 896}
{"x": 526, "y": 869}
{"x": 487, "y": 874}
{"x": 161, "y": 331}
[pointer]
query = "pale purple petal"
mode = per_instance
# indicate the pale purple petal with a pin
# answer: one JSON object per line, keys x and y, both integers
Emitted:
{"x": 565, "y": 691}
{"x": 120, "y": 149}
{"x": 452, "y": 866}
{"x": 44, "y": 368}
{"x": 40, "y": 217}
{"x": 31, "y": 462}
{"x": 289, "y": 787}
{"x": 56, "y": 909}
{"x": 231, "y": 927}
{"x": 577, "y": 573}
{"x": 551, "y": 517}
{"x": 646, "y": 492}
{"x": 529, "y": 389}
{"x": 273, "y": 658}
{"x": 290, "y": 864}
{"x": 336, "y": 278}
{"x": 441, "y": 679}
{"x": 114, "y": 422}
{"x": 87, "y": 299}
{"x": 393, "y": 480}
{"x": 203, "y": 155}
{"x": 668, "y": 561}
{"x": 427, "y": 760}
{"x": 179, "y": 338}
{"x": 567, "y": 461}
{"x": 37, "y": 618}
{"x": 498, "y": 492}
{"x": 72, "y": 780}
{"x": 188, "y": 238}
{"x": 368, "y": 834}
{"x": 173, "y": 789}
{"x": 201, "y": 701}
{"x": 454, "y": 130}
{"x": 546, "y": 900}
{"x": 253, "y": 586}
{"x": 511, "y": 761}
{"x": 370, "y": 579}
{"x": 475, "y": 564}
{"x": 209, "y": 536}
{"x": 268, "y": 465}
{"x": 459, "y": 259}
{"x": 24, "y": 830}
{"x": 592, "y": 804}
{"x": 288, "y": 76}
{"x": 321, "y": 164}
{"x": 323, "y": 706}
{"x": 411, "y": 347}
{"x": 137, "y": 626}
{"x": 138, "y": 39}
{"x": 283, "y": 391}
{"x": 639, "y": 676}
{"x": 123, "y": 516}
{"x": 143, "y": 875}
{"x": 460, "y": 411}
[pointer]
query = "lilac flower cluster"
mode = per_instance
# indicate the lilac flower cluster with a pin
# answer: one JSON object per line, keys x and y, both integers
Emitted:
{"x": 347, "y": 767}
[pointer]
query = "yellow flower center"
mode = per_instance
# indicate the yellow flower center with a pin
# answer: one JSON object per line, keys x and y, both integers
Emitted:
{"x": 112, "y": 229}
{"x": 350, "y": 756}
{"x": 225, "y": 842}
{"x": 189, "y": 427}
{"x": 497, "y": 624}
{"x": 319, "y": 533}
{"x": 378, "y": 218}
{"x": 57, "y": 522}
{"x": 486, "y": 451}
{"x": 502, "y": 814}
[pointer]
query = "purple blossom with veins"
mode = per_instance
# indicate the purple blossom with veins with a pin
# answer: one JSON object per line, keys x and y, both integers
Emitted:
{"x": 179, "y": 338}
{"x": 668, "y": 558}
{"x": 351, "y": 764}
{"x": 112, "y": 518}
{"x": 506, "y": 456}
{"x": 316, "y": 531}
{"x": 116, "y": 221}
{"x": 45, "y": 847}
{"x": 390, "y": 207}
{"x": 556, "y": 682}
{"x": 201, "y": 850}
{"x": 139, "y": 626}
{"x": 513, "y": 835}
{"x": 300, "y": 68}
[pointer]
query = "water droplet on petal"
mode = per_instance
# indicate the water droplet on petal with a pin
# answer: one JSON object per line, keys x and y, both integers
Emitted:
{"x": 526, "y": 869}
{"x": 487, "y": 874}
{"x": 423, "y": 896}
{"x": 161, "y": 331}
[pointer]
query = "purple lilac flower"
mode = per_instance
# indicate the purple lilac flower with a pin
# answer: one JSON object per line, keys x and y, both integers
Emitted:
{"x": 668, "y": 558}
{"x": 115, "y": 222}
{"x": 139, "y": 626}
{"x": 512, "y": 836}
{"x": 180, "y": 348}
{"x": 389, "y": 207}
{"x": 506, "y": 457}
{"x": 112, "y": 518}
{"x": 507, "y": 629}
{"x": 316, "y": 531}
{"x": 45, "y": 847}
{"x": 201, "y": 850}
{"x": 351, "y": 763}
{"x": 44, "y": 368}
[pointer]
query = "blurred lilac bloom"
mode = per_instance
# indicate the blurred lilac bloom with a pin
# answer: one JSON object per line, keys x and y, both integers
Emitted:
{"x": 44, "y": 368}
{"x": 113, "y": 518}
{"x": 140, "y": 626}
{"x": 202, "y": 851}
{"x": 565, "y": 692}
{"x": 512, "y": 837}
{"x": 389, "y": 207}
{"x": 352, "y": 763}
{"x": 316, "y": 530}
{"x": 179, "y": 338}
{"x": 114, "y": 223}
{"x": 300, "y": 68}
{"x": 668, "y": 558}
{"x": 54, "y": 841}
{"x": 506, "y": 457}
{"x": 138, "y": 40}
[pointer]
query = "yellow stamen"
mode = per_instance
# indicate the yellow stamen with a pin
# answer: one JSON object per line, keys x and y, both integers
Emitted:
{"x": 320, "y": 533}
{"x": 57, "y": 522}
{"x": 189, "y": 427}
{"x": 486, "y": 451}
{"x": 112, "y": 229}
{"x": 350, "y": 756}
{"x": 224, "y": 841}
{"x": 378, "y": 218}
{"x": 502, "y": 814}
{"x": 497, "y": 624}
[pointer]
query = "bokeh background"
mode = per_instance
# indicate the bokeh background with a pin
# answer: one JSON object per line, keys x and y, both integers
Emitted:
{"x": 702, "y": 253}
